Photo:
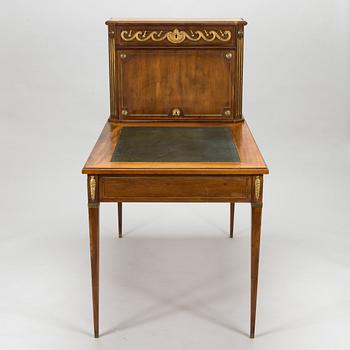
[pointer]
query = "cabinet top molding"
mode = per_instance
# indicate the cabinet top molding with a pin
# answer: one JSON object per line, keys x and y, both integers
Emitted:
{"x": 234, "y": 21}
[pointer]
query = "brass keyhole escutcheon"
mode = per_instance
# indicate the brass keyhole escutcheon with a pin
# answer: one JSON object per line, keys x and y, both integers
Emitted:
{"x": 176, "y": 112}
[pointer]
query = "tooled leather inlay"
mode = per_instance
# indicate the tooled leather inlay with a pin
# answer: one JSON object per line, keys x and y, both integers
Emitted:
{"x": 175, "y": 144}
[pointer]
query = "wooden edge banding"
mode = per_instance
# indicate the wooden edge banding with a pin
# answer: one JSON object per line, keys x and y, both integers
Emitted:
{"x": 171, "y": 120}
{"x": 173, "y": 171}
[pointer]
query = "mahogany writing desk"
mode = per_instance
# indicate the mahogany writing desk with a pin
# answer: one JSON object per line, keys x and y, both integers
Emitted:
{"x": 176, "y": 131}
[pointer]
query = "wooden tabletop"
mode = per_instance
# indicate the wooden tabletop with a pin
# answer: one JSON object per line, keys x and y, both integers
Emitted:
{"x": 251, "y": 160}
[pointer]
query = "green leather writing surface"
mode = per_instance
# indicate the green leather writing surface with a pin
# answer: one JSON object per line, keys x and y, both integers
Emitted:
{"x": 175, "y": 144}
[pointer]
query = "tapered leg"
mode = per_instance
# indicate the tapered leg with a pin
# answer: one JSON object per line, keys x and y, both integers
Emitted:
{"x": 94, "y": 254}
{"x": 120, "y": 213}
{"x": 232, "y": 218}
{"x": 255, "y": 248}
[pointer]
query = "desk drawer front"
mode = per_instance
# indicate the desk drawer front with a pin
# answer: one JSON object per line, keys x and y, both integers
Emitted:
{"x": 175, "y": 188}
{"x": 177, "y": 35}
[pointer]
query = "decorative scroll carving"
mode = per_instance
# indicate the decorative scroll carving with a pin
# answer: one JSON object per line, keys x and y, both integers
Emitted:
{"x": 257, "y": 187}
{"x": 176, "y": 36}
{"x": 92, "y": 187}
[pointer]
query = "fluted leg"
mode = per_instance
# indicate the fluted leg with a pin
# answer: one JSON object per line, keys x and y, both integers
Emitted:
{"x": 94, "y": 254}
{"x": 255, "y": 248}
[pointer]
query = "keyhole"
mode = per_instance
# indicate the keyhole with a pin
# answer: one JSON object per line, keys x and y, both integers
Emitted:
{"x": 176, "y": 112}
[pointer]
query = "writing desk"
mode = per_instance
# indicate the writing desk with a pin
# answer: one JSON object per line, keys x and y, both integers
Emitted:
{"x": 171, "y": 135}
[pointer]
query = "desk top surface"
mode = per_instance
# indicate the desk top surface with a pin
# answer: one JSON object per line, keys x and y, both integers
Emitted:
{"x": 235, "y": 153}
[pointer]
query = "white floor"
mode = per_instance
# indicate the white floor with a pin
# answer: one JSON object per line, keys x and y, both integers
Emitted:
{"x": 175, "y": 280}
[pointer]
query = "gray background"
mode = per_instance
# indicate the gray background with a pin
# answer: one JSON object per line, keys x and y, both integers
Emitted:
{"x": 175, "y": 281}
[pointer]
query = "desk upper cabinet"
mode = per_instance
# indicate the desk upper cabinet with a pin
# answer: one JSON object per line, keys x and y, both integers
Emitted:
{"x": 180, "y": 71}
